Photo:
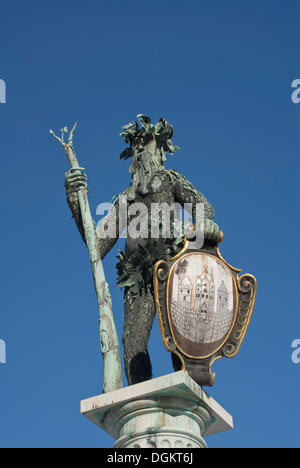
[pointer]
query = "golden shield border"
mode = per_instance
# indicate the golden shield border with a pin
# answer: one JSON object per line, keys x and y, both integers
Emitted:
{"x": 245, "y": 289}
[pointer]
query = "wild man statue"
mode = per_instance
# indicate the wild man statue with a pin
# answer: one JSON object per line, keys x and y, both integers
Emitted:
{"x": 151, "y": 186}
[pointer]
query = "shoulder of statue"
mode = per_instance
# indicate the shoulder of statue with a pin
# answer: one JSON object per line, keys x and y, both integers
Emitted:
{"x": 178, "y": 180}
{"x": 161, "y": 174}
{"x": 186, "y": 192}
{"x": 121, "y": 196}
{"x": 175, "y": 176}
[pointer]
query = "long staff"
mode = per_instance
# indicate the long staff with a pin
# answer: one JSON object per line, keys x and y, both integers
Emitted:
{"x": 112, "y": 378}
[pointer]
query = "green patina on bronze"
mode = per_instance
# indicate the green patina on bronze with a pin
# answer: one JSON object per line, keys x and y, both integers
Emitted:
{"x": 150, "y": 183}
{"x": 112, "y": 379}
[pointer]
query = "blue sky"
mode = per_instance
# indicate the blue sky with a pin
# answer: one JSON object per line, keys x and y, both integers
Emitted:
{"x": 221, "y": 73}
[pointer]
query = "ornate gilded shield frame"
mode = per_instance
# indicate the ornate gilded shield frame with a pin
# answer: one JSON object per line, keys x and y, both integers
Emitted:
{"x": 204, "y": 308}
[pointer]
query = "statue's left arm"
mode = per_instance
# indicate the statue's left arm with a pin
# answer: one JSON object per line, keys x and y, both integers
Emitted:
{"x": 184, "y": 192}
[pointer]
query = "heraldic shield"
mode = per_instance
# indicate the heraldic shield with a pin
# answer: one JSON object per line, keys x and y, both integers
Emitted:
{"x": 204, "y": 308}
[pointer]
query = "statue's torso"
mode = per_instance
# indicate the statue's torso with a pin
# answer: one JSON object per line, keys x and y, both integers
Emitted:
{"x": 160, "y": 191}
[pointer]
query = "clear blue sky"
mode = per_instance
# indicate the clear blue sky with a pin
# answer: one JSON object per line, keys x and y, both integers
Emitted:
{"x": 221, "y": 73}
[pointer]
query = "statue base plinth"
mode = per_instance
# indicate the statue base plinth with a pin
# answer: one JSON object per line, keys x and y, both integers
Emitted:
{"x": 170, "y": 411}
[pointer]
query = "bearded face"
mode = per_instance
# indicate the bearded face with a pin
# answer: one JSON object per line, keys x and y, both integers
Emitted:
{"x": 148, "y": 147}
{"x": 144, "y": 164}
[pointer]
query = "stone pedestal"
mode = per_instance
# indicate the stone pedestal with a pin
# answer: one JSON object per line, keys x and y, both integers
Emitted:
{"x": 167, "y": 412}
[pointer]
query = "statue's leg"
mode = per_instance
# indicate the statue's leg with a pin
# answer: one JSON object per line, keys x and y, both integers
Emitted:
{"x": 138, "y": 319}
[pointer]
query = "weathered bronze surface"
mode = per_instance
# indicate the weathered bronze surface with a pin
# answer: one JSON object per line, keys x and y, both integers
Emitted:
{"x": 150, "y": 184}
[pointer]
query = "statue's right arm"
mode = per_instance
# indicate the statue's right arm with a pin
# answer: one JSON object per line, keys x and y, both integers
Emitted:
{"x": 112, "y": 225}
{"x": 74, "y": 181}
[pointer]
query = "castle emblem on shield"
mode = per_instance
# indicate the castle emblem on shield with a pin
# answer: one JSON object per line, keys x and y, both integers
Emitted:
{"x": 204, "y": 308}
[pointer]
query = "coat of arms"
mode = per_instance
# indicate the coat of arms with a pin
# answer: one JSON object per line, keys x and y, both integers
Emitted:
{"x": 204, "y": 308}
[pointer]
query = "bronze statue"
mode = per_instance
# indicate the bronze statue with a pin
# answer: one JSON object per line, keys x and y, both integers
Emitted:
{"x": 151, "y": 184}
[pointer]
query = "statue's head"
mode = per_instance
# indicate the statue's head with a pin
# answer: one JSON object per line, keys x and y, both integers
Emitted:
{"x": 149, "y": 145}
